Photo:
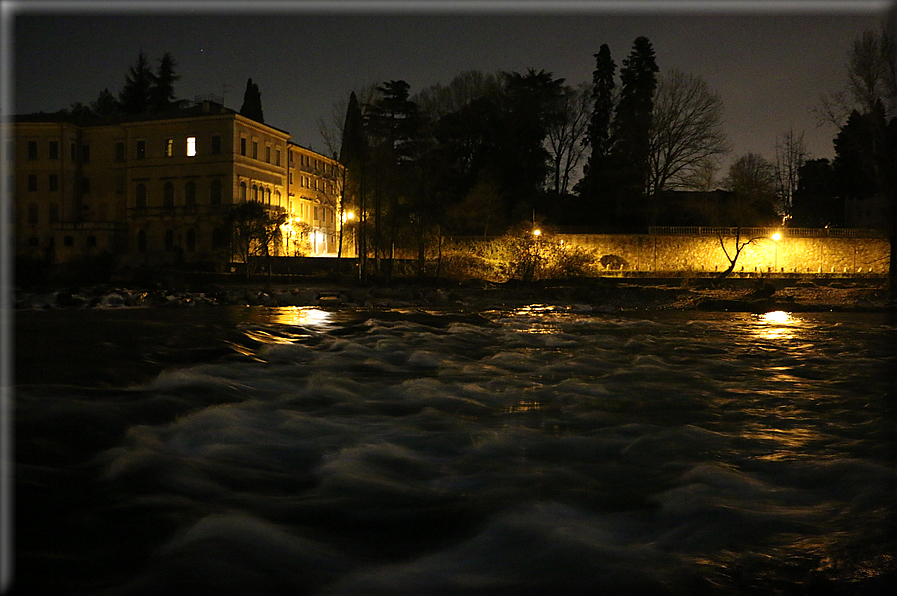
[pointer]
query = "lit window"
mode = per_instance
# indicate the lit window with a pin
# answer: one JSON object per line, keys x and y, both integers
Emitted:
{"x": 191, "y": 146}
{"x": 169, "y": 147}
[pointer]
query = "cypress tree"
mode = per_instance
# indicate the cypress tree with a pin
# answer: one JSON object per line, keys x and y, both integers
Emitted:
{"x": 599, "y": 132}
{"x": 252, "y": 102}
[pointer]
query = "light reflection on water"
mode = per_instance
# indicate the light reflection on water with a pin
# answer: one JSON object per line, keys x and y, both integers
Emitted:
{"x": 409, "y": 453}
{"x": 777, "y": 325}
{"x": 301, "y": 316}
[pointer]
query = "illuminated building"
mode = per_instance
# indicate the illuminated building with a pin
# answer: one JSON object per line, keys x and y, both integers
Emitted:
{"x": 156, "y": 188}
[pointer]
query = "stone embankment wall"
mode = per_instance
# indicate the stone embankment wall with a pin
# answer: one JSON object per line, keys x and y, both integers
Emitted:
{"x": 703, "y": 253}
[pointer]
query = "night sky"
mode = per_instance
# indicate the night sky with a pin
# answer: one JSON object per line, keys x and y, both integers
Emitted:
{"x": 770, "y": 61}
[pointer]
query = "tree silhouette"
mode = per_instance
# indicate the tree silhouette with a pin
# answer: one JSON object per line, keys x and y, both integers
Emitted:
{"x": 353, "y": 155}
{"x": 633, "y": 121}
{"x": 252, "y": 102}
{"x": 161, "y": 94}
{"x": 134, "y": 97}
{"x": 596, "y": 171}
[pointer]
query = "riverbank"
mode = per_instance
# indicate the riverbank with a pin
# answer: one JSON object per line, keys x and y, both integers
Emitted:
{"x": 587, "y": 294}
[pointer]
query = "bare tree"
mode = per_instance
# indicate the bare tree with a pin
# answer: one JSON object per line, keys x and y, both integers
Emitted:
{"x": 686, "y": 133}
{"x": 330, "y": 127}
{"x": 752, "y": 182}
{"x": 791, "y": 154}
{"x": 871, "y": 77}
{"x": 438, "y": 100}
{"x": 565, "y": 135}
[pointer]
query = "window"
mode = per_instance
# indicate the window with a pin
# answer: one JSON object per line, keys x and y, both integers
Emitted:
{"x": 268, "y": 196}
{"x": 243, "y": 146}
{"x": 85, "y": 153}
{"x": 168, "y": 195}
{"x": 190, "y": 193}
{"x": 32, "y": 149}
{"x": 54, "y": 182}
{"x": 74, "y": 151}
{"x": 216, "y": 144}
{"x": 141, "y": 149}
{"x": 291, "y": 177}
{"x": 191, "y": 146}
{"x": 255, "y": 192}
{"x": 141, "y": 241}
{"x": 255, "y": 150}
{"x": 217, "y": 239}
{"x": 32, "y": 182}
{"x": 119, "y": 152}
{"x": 169, "y": 147}
{"x": 91, "y": 241}
{"x": 85, "y": 185}
{"x": 215, "y": 192}
{"x": 69, "y": 241}
{"x": 243, "y": 191}
{"x": 32, "y": 213}
{"x": 53, "y": 152}
{"x": 277, "y": 157}
{"x": 54, "y": 212}
{"x": 140, "y": 196}
{"x": 169, "y": 240}
{"x": 191, "y": 240}
{"x": 277, "y": 197}
{"x": 267, "y": 154}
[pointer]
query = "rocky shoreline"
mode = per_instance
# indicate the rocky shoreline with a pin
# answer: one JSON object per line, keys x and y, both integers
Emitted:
{"x": 591, "y": 294}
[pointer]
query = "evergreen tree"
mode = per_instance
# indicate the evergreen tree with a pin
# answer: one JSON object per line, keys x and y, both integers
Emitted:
{"x": 161, "y": 94}
{"x": 134, "y": 97}
{"x": 353, "y": 155}
{"x": 252, "y": 102}
{"x": 815, "y": 203}
{"x": 531, "y": 104}
{"x": 597, "y": 168}
{"x": 632, "y": 122}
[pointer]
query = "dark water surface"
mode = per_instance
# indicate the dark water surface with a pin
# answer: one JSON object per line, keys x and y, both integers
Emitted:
{"x": 536, "y": 451}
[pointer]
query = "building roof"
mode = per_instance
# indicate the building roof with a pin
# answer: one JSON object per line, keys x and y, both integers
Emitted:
{"x": 204, "y": 108}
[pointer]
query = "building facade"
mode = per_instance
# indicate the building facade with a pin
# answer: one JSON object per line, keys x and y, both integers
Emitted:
{"x": 156, "y": 189}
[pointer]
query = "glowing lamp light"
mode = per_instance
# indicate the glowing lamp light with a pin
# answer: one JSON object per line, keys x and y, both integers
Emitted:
{"x": 537, "y": 232}
{"x": 776, "y": 236}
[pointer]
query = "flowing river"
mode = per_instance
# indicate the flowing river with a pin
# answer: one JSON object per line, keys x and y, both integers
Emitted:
{"x": 542, "y": 450}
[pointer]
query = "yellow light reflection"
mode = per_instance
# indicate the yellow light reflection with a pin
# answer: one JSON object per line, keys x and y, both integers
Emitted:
{"x": 524, "y": 406}
{"x": 777, "y": 317}
{"x": 776, "y": 325}
{"x": 300, "y": 315}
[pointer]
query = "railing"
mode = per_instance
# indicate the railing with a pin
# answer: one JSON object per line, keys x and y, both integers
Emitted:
{"x": 765, "y": 232}
{"x": 96, "y": 226}
{"x": 176, "y": 211}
